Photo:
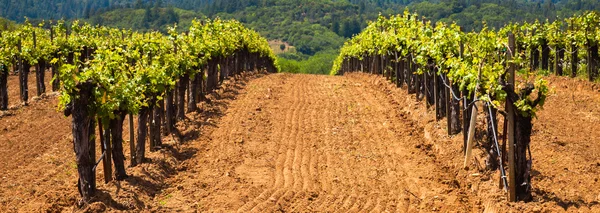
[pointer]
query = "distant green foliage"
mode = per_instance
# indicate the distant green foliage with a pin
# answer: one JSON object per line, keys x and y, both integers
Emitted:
{"x": 289, "y": 65}
{"x": 311, "y": 26}
{"x": 319, "y": 63}
{"x": 145, "y": 19}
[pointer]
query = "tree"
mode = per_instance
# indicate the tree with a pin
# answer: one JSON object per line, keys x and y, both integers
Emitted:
{"x": 282, "y": 47}
{"x": 147, "y": 18}
{"x": 361, "y": 7}
{"x": 335, "y": 27}
{"x": 172, "y": 16}
{"x": 86, "y": 12}
{"x": 346, "y": 29}
{"x": 139, "y": 4}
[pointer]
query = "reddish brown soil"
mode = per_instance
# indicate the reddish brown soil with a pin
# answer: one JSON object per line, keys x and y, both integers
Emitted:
{"x": 566, "y": 163}
{"x": 306, "y": 143}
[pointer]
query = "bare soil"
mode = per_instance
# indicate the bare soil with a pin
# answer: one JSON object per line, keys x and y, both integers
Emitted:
{"x": 307, "y": 143}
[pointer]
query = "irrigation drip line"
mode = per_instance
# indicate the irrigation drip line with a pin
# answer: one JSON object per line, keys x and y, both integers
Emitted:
{"x": 101, "y": 157}
{"x": 497, "y": 145}
{"x": 454, "y": 96}
{"x": 508, "y": 48}
{"x": 563, "y": 49}
{"x": 98, "y": 162}
{"x": 494, "y": 131}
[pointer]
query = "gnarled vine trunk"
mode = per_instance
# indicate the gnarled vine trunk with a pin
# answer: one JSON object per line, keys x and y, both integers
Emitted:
{"x": 116, "y": 129}
{"x": 169, "y": 112}
{"x": 193, "y": 94}
{"x": 39, "y": 74}
{"x": 523, "y": 127}
{"x": 558, "y": 65}
{"x": 454, "y": 116}
{"x": 545, "y": 55}
{"x": 4, "y": 88}
{"x": 181, "y": 87}
{"x": 23, "y": 79}
{"x": 490, "y": 147}
{"x": 142, "y": 133}
{"x": 155, "y": 137}
{"x": 83, "y": 139}
{"x": 522, "y": 130}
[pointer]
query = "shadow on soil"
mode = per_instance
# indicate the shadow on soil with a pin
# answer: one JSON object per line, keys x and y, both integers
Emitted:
{"x": 546, "y": 196}
{"x": 150, "y": 178}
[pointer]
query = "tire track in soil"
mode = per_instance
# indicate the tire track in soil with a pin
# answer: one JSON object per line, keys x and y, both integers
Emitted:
{"x": 406, "y": 197}
{"x": 379, "y": 134}
{"x": 348, "y": 200}
{"x": 327, "y": 187}
{"x": 282, "y": 178}
{"x": 344, "y": 200}
{"x": 309, "y": 161}
{"x": 298, "y": 166}
{"x": 290, "y": 161}
{"x": 293, "y": 189}
{"x": 289, "y": 190}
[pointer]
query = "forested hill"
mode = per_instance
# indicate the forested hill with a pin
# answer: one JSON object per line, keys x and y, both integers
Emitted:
{"x": 314, "y": 27}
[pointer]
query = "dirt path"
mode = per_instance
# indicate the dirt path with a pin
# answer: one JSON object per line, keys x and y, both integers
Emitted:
{"x": 308, "y": 143}
{"x": 312, "y": 143}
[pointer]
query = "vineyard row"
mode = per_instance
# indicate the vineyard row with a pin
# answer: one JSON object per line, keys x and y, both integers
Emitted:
{"x": 454, "y": 71}
{"x": 104, "y": 74}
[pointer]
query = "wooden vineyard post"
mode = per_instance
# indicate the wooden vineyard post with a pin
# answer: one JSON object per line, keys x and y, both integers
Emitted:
{"x": 535, "y": 54}
{"x": 417, "y": 82}
{"x": 386, "y": 72}
{"x": 472, "y": 125}
{"x": 560, "y": 54}
{"x": 426, "y": 81}
{"x": 131, "y": 141}
{"x": 512, "y": 196}
{"x": 471, "y": 137}
{"x": 401, "y": 72}
{"x": 466, "y": 109}
{"x": 106, "y": 149}
{"x": 436, "y": 95}
{"x": 142, "y": 134}
{"x": 37, "y": 66}
{"x": 3, "y": 87}
{"x": 396, "y": 67}
{"x": 413, "y": 76}
{"x": 545, "y": 54}
{"x": 592, "y": 55}
{"x": 180, "y": 99}
{"x": 574, "y": 59}
{"x": 22, "y": 74}
{"x": 447, "y": 104}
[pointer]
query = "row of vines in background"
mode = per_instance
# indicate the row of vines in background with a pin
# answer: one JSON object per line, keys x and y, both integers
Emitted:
{"x": 499, "y": 70}
{"x": 104, "y": 74}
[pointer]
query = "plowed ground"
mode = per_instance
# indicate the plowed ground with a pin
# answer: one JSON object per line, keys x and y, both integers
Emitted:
{"x": 307, "y": 143}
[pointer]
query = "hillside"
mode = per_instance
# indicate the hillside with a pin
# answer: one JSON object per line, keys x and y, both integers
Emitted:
{"x": 316, "y": 28}
{"x": 146, "y": 19}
